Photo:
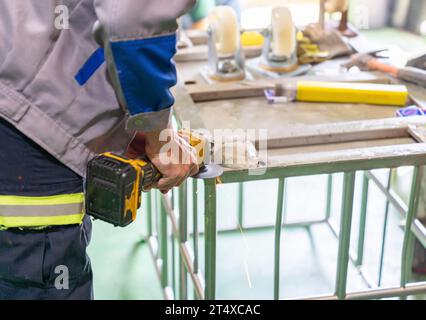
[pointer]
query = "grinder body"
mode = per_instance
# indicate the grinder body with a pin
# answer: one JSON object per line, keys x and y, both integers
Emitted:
{"x": 114, "y": 183}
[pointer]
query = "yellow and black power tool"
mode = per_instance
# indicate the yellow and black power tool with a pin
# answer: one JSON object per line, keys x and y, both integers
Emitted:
{"x": 114, "y": 182}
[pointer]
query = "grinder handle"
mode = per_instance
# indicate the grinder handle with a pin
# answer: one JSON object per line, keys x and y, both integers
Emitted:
{"x": 150, "y": 173}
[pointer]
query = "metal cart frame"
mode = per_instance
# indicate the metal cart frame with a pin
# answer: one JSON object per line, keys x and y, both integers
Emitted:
{"x": 179, "y": 262}
{"x": 175, "y": 245}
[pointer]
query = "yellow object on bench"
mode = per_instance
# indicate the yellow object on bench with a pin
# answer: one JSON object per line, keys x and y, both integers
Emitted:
{"x": 368, "y": 93}
{"x": 252, "y": 38}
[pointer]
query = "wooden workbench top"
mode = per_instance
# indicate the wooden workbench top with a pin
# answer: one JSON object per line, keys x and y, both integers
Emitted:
{"x": 300, "y": 132}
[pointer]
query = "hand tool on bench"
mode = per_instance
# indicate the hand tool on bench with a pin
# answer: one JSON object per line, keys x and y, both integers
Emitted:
{"x": 338, "y": 92}
{"x": 365, "y": 61}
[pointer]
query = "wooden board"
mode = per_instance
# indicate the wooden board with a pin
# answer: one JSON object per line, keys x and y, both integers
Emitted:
{"x": 276, "y": 154}
{"x": 201, "y": 53}
{"x": 349, "y": 159}
{"x": 197, "y": 37}
{"x": 343, "y": 132}
{"x": 362, "y": 157}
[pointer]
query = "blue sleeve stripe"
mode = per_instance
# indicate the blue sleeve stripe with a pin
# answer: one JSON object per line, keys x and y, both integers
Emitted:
{"x": 146, "y": 72}
{"x": 89, "y": 68}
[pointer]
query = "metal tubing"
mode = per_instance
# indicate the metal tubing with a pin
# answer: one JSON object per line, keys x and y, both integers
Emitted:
{"x": 255, "y": 227}
{"x": 366, "y": 276}
{"x": 196, "y": 277}
{"x": 334, "y": 230}
{"x": 408, "y": 242}
{"x": 345, "y": 234}
{"x": 385, "y": 226}
{"x": 417, "y": 228}
{"x": 326, "y": 167}
{"x": 329, "y": 196}
{"x": 320, "y": 298}
{"x": 173, "y": 192}
{"x": 410, "y": 289}
{"x": 419, "y": 231}
{"x": 353, "y": 257}
{"x": 149, "y": 213}
{"x": 183, "y": 238}
{"x": 410, "y": 256}
{"x": 156, "y": 213}
{"x": 210, "y": 238}
{"x": 173, "y": 237}
{"x": 241, "y": 205}
{"x": 362, "y": 221}
{"x": 172, "y": 216}
{"x": 278, "y": 228}
{"x": 184, "y": 252}
{"x": 163, "y": 246}
{"x": 390, "y": 195}
{"x": 183, "y": 212}
{"x": 153, "y": 249}
{"x": 195, "y": 232}
{"x": 211, "y": 230}
{"x": 195, "y": 235}
{"x": 285, "y": 207}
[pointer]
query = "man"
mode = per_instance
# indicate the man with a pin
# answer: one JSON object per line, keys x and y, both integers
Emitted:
{"x": 69, "y": 91}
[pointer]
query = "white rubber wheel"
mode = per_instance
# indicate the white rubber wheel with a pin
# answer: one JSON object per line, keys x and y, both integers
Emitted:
{"x": 224, "y": 24}
{"x": 283, "y": 32}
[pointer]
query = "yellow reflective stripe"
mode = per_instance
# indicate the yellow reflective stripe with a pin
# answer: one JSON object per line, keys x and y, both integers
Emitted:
{"x": 42, "y": 201}
{"x": 36, "y": 218}
{"x": 23, "y": 222}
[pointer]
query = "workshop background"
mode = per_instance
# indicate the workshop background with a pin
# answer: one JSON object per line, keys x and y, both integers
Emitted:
{"x": 123, "y": 267}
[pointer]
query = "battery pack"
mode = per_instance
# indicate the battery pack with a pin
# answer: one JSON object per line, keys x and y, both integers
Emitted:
{"x": 111, "y": 192}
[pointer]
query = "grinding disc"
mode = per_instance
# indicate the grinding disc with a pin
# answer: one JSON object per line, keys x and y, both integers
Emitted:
{"x": 210, "y": 171}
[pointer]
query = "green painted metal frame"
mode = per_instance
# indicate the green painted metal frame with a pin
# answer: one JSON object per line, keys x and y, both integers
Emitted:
{"x": 278, "y": 229}
{"x": 345, "y": 234}
{"x": 205, "y": 287}
{"x": 417, "y": 228}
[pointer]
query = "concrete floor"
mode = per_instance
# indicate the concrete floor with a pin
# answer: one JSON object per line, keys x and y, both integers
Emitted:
{"x": 123, "y": 268}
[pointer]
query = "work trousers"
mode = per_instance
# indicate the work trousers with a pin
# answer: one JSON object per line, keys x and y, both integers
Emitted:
{"x": 50, "y": 263}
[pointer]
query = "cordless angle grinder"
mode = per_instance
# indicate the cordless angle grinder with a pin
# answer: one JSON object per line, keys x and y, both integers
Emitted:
{"x": 115, "y": 183}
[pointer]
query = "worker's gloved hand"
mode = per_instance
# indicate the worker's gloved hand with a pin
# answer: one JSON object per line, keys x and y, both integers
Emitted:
{"x": 172, "y": 156}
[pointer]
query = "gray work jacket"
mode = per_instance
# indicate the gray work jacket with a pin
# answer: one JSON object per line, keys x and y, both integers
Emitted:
{"x": 56, "y": 88}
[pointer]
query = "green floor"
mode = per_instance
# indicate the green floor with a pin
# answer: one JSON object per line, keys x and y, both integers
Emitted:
{"x": 123, "y": 268}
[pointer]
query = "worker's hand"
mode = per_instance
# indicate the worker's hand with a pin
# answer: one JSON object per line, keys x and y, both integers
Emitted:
{"x": 172, "y": 156}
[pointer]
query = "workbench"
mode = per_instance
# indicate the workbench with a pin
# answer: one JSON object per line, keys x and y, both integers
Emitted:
{"x": 303, "y": 139}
